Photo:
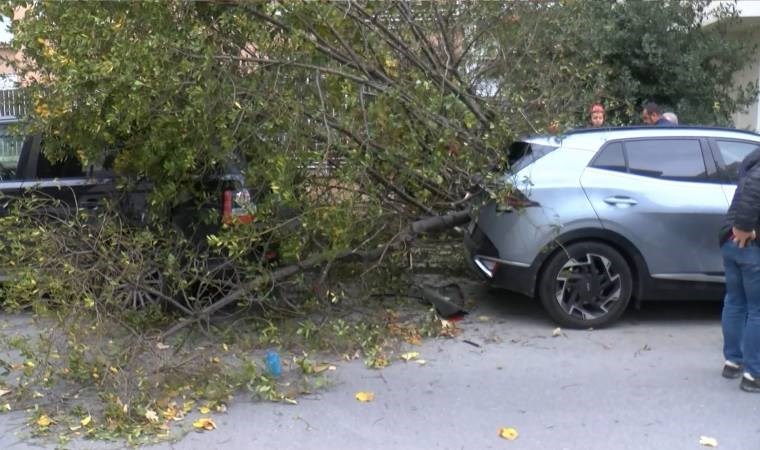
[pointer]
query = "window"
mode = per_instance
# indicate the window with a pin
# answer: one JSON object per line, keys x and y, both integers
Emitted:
{"x": 10, "y": 150}
{"x": 5, "y": 30}
{"x": 68, "y": 167}
{"x": 733, "y": 153}
{"x": 672, "y": 159}
{"x": 610, "y": 158}
{"x": 522, "y": 154}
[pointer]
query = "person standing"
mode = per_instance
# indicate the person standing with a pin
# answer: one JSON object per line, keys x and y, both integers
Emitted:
{"x": 597, "y": 115}
{"x": 740, "y": 320}
{"x": 651, "y": 114}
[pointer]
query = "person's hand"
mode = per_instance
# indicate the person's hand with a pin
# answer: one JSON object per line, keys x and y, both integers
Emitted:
{"x": 741, "y": 238}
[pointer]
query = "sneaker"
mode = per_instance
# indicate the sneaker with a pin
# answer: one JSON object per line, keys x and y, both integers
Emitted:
{"x": 749, "y": 383}
{"x": 731, "y": 370}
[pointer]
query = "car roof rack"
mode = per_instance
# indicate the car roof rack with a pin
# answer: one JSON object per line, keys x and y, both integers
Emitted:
{"x": 651, "y": 127}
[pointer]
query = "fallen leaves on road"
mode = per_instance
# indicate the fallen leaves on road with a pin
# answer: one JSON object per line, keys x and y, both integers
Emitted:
{"x": 557, "y": 332}
{"x": 449, "y": 329}
{"x": 172, "y": 412}
{"x": 365, "y": 396}
{"x": 708, "y": 441}
{"x": 409, "y": 356}
{"x": 86, "y": 421}
{"x": 44, "y": 421}
{"x": 508, "y": 433}
{"x": 204, "y": 423}
{"x": 151, "y": 415}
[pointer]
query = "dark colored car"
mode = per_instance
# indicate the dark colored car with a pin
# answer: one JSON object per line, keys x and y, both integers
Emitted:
{"x": 25, "y": 170}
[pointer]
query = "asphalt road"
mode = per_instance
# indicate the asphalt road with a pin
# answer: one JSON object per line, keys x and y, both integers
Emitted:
{"x": 650, "y": 382}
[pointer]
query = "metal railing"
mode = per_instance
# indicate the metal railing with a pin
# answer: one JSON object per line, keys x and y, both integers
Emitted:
{"x": 12, "y": 103}
{"x": 12, "y": 107}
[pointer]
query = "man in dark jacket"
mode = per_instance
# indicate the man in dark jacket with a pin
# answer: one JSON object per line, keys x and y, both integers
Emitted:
{"x": 741, "y": 257}
{"x": 651, "y": 114}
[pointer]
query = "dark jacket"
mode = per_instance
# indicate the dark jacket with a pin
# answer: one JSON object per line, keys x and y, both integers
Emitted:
{"x": 744, "y": 212}
{"x": 663, "y": 122}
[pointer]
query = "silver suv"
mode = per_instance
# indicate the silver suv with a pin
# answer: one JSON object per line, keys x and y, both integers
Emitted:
{"x": 596, "y": 218}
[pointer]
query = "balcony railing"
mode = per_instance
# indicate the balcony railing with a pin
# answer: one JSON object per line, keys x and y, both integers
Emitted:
{"x": 12, "y": 107}
{"x": 12, "y": 103}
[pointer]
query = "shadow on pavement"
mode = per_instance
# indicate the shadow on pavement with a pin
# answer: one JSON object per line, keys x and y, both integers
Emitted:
{"x": 504, "y": 305}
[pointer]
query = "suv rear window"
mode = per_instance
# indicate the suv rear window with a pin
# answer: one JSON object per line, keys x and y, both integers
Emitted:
{"x": 521, "y": 154}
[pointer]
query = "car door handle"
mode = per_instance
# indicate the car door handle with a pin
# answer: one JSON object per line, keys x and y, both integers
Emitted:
{"x": 619, "y": 200}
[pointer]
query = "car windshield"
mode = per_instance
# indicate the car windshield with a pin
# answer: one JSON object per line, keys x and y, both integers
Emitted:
{"x": 521, "y": 154}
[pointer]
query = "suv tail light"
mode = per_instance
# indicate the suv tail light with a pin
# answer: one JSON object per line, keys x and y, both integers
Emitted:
{"x": 237, "y": 206}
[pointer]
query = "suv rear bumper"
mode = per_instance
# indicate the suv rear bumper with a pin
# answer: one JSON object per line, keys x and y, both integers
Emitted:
{"x": 484, "y": 260}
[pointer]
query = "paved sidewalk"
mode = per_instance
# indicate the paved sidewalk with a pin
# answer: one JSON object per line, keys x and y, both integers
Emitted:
{"x": 651, "y": 382}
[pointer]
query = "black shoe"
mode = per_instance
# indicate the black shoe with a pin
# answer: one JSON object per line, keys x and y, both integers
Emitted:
{"x": 730, "y": 371}
{"x": 748, "y": 385}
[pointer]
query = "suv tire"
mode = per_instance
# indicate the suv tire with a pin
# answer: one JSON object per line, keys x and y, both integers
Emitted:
{"x": 586, "y": 284}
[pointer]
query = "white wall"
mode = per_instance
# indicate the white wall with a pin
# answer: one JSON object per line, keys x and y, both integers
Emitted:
{"x": 748, "y": 30}
{"x": 749, "y": 119}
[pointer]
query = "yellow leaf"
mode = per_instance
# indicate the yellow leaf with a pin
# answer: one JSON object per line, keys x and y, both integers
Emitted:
{"x": 365, "y": 396}
{"x": 204, "y": 423}
{"x": 509, "y": 434}
{"x": 410, "y": 356}
{"x": 215, "y": 360}
{"x": 204, "y": 410}
{"x": 151, "y": 415}
{"x": 29, "y": 364}
{"x": 188, "y": 406}
{"x": 171, "y": 413}
{"x": 225, "y": 347}
{"x": 708, "y": 441}
{"x": 6, "y": 407}
{"x": 86, "y": 421}
{"x": 319, "y": 368}
{"x": 44, "y": 421}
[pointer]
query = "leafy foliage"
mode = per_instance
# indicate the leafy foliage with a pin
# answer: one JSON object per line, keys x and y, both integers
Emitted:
{"x": 359, "y": 117}
{"x": 365, "y": 114}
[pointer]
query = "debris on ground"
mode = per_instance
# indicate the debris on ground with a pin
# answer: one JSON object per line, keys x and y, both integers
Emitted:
{"x": 447, "y": 299}
{"x": 708, "y": 441}
{"x": 508, "y": 433}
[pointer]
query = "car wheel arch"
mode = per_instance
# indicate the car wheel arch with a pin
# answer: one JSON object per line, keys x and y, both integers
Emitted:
{"x": 618, "y": 242}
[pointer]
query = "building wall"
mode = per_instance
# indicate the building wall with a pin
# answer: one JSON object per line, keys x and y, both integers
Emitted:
{"x": 750, "y": 118}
